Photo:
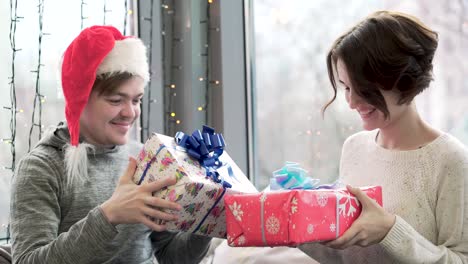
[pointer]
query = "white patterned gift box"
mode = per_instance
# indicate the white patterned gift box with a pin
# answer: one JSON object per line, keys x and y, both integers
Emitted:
{"x": 200, "y": 196}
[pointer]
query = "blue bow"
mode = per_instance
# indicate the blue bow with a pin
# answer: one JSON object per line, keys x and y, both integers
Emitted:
{"x": 206, "y": 147}
{"x": 292, "y": 176}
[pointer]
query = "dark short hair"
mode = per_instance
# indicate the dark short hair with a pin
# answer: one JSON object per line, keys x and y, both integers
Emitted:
{"x": 385, "y": 51}
{"x": 106, "y": 84}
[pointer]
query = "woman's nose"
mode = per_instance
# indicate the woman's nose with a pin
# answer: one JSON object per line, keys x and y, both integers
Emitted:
{"x": 353, "y": 99}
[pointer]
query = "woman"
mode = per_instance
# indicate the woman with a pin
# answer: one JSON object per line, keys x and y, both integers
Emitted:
{"x": 68, "y": 203}
{"x": 382, "y": 63}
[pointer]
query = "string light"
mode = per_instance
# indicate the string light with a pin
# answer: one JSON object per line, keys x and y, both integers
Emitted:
{"x": 150, "y": 62}
{"x": 127, "y": 13}
{"x": 169, "y": 41}
{"x": 16, "y": 110}
{"x": 105, "y": 11}
{"x": 39, "y": 99}
{"x": 14, "y": 19}
{"x": 201, "y": 79}
{"x": 7, "y": 140}
{"x": 210, "y": 1}
{"x": 82, "y": 12}
{"x": 206, "y": 54}
{"x": 318, "y": 133}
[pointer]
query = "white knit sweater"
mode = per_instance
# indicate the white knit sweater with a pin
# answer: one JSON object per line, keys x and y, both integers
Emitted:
{"x": 426, "y": 188}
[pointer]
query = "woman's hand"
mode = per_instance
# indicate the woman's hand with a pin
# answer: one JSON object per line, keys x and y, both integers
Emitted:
{"x": 131, "y": 203}
{"x": 370, "y": 228}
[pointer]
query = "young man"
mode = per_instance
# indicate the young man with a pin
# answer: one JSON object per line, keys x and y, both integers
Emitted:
{"x": 68, "y": 204}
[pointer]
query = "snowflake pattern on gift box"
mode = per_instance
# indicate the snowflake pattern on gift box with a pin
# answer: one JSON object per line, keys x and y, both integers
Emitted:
{"x": 230, "y": 241}
{"x": 272, "y": 225}
{"x": 322, "y": 199}
{"x": 241, "y": 241}
{"x": 332, "y": 227}
{"x": 345, "y": 204}
{"x": 293, "y": 205}
{"x": 236, "y": 211}
{"x": 310, "y": 228}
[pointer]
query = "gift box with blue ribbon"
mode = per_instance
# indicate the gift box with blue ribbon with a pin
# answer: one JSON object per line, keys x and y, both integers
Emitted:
{"x": 296, "y": 210}
{"x": 204, "y": 173}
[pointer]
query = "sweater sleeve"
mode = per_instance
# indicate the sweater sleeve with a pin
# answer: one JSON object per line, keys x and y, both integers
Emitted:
{"x": 36, "y": 217}
{"x": 451, "y": 212}
{"x": 179, "y": 247}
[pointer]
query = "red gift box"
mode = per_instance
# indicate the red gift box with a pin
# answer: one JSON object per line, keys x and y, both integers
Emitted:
{"x": 291, "y": 217}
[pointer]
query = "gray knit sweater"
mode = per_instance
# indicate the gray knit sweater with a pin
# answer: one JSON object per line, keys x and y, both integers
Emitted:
{"x": 54, "y": 225}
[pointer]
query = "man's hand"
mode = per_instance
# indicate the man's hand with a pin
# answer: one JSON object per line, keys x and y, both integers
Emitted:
{"x": 131, "y": 203}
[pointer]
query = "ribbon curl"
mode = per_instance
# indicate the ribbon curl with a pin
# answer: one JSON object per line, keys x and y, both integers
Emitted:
{"x": 291, "y": 176}
{"x": 205, "y": 146}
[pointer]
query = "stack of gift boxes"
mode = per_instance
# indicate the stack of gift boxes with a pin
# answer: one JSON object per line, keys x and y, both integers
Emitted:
{"x": 205, "y": 174}
{"x": 218, "y": 200}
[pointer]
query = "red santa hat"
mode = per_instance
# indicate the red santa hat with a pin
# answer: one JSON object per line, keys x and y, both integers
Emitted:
{"x": 96, "y": 50}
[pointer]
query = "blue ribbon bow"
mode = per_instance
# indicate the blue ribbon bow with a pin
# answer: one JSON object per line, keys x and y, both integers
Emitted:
{"x": 206, "y": 147}
{"x": 292, "y": 176}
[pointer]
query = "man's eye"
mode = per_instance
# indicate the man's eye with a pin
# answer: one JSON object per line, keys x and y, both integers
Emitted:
{"x": 114, "y": 101}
